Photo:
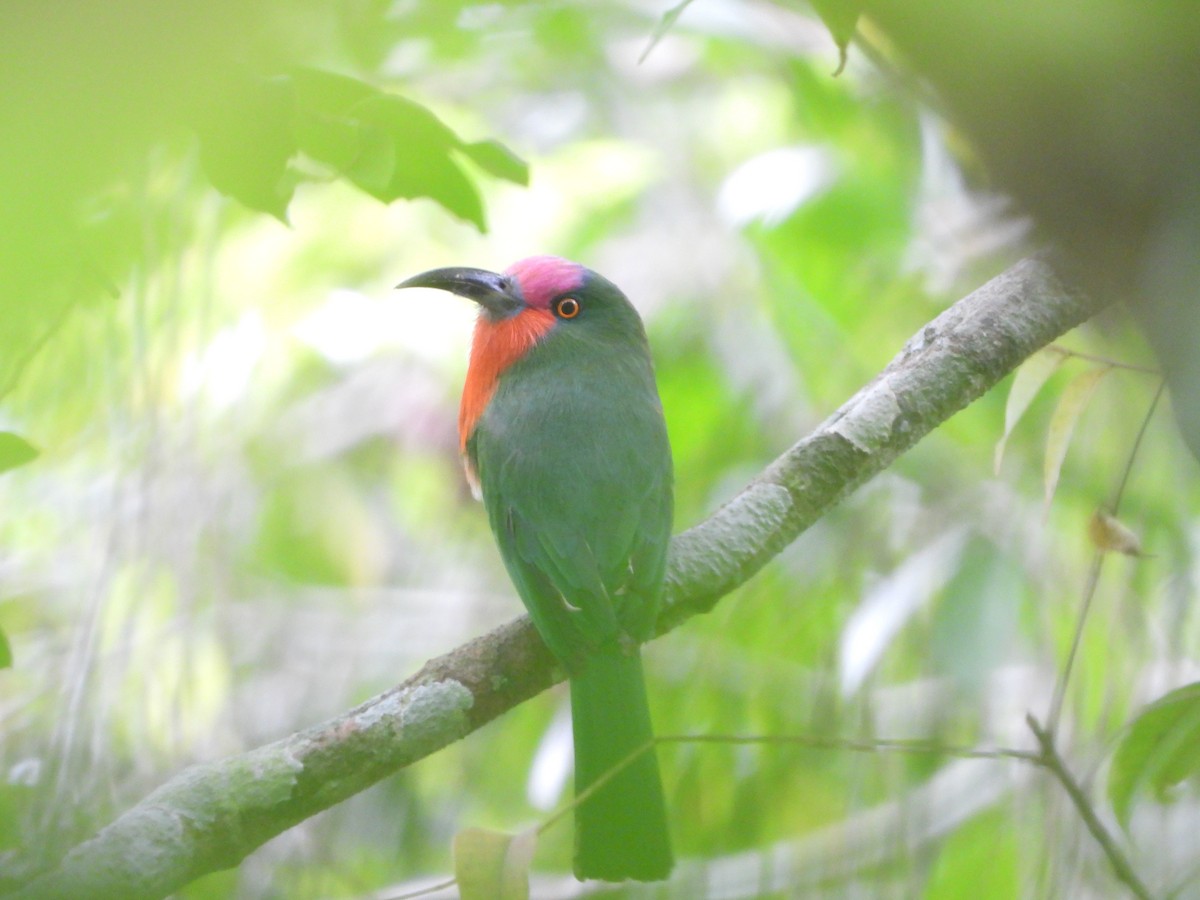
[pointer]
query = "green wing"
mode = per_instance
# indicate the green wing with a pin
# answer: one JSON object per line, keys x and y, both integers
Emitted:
{"x": 582, "y": 526}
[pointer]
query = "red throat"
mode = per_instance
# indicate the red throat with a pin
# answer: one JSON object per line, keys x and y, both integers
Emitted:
{"x": 495, "y": 347}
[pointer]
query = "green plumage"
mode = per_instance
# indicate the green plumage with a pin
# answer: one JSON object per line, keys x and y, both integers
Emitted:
{"x": 621, "y": 831}
{"x": 573, "y": 459}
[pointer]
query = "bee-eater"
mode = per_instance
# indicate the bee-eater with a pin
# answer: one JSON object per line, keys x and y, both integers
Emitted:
{"x": 562, "y": 433}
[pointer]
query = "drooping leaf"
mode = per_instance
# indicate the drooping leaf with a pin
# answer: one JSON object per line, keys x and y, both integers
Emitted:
{"x": 389, "y": 146}
{"x": 668, "y": 20}
{"x": 496, "y": 159}
{"x": 245, "y": 146}
{"x": 492, "y": 865}
{"x": 1074, "y": 400}
{"x": 15, "y": 451}
{"x": 841, "y": 18}
{"x": 1026, "y": 384}
{"x": 323, "y": 126}
{"x": 1160, "y": 749}
{"x": 406, "y": 153}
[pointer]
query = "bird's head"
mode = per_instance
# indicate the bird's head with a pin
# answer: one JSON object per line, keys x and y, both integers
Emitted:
{"x": 539, "y": 300}
{"x": 540, "y": 292}
{"x": 536, "y": 302}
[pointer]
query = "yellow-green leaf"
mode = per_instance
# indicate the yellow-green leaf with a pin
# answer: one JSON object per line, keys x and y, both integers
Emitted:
{"x": 493, "y": 865}
{"x": 496, "y": 159}
{"x": 1026, "y": 384}
{"x": 15, "y": 451}
{"x": 664, "y": 25}
{"x": 1074, "y": 401}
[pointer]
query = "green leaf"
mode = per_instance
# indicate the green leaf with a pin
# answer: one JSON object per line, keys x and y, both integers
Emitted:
{"x": 15, "y": 451}
{"x": 406, "y": 153}
{"x": 245, "y": 146}
{"x": 1074, "y": 401}
{"x": 422, "y": 130}
{"x": 496, "y": 159}
{"x": 322, "y": 122}
{"x": 373, "y": 166}
{"x": 1160, "y": 749}
{"x": 6, "y": 658}
{"x": 841, "y": 18}
{"x": 327, "y": 138}
{"x": 386, "y": 144}
{"x": 329, "y": 92}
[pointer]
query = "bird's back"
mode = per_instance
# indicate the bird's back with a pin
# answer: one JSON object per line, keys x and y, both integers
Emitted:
{"x": 575, "y": 464}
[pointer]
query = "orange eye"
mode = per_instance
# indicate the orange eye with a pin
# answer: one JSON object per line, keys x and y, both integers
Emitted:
{"x": 566, "y": 308}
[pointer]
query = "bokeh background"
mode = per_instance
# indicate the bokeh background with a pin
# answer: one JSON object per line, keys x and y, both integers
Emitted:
{"x": 248, "y": 514}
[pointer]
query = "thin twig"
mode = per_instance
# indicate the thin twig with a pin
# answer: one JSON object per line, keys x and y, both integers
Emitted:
{"x": 820, "y": 743}
{"x": 857, "y": 746}
{"x": 1137, "y": 443}
{"x": 1103, "y": 360}
{"x": 1064, "y": 677}
{"x": 596, "y": 785}
{"x": 1051, "y": 760}
{"x": 1089, "y": 592}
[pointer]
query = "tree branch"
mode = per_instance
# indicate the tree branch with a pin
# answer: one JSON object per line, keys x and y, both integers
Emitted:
{"x": 211, "y": 816}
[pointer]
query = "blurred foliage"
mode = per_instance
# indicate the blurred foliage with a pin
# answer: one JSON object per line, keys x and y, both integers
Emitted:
{"x": 247, "y": 514}
{"x": 385, "y": 144}
{"x": 1158, "y": 751}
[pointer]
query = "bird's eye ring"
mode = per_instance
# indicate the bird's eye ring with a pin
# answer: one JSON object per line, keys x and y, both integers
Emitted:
{"x": 566, "y": 307}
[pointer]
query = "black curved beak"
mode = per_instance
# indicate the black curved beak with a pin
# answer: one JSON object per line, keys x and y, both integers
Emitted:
{"x": 494, "y": 292}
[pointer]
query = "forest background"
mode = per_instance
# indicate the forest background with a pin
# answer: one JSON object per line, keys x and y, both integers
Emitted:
{"x": 232, "y": 504}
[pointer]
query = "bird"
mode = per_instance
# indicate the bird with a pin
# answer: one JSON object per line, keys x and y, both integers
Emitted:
{"x": 562, "y": 435}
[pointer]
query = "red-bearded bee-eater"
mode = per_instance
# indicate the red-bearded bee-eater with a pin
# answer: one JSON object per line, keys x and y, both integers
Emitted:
{"x": 561, "y": 430}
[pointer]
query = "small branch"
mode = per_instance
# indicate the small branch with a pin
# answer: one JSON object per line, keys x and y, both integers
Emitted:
{"x": 1119, "y": 494}
{"x": 1051, "y": 760}
{"x": 1064, "y": 676}
{"x": 1104, "y": 360}
{"x": 1093, "y": 579}
{"x": 212, "y": 816}
{"x": 877, "y": 745}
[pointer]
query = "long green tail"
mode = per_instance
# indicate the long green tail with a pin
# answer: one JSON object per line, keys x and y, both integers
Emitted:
{"x": 621, "y": 830}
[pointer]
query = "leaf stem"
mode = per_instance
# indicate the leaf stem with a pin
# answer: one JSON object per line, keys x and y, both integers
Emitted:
{"x": 1089, "y": 592}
